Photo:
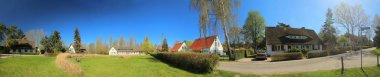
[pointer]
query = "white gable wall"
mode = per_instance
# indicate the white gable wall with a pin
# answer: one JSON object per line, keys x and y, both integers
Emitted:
{"x": 182, "y": 46}
{"x": 71, "y": 49}
{"x": 217, "y": 47}
{"x": 112, "y": 51}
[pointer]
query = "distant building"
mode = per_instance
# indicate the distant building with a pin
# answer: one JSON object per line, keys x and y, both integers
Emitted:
{"x": 23, "y": 45}
{"x": 72, "y": 49}
{"x": 119, "y": 51}
{"x": 179, "y": 47}
{"x": 211, "y": 45}
{"x": 282, "y": 39}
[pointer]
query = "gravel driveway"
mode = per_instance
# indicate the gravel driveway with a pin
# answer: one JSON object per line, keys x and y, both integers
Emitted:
{"x": 305, "y": 65}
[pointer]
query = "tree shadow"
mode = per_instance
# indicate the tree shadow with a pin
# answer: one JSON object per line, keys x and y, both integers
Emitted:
{"x": 152, "y": 59}
{"x": 190, "y": 70}
{"x": 366, "y": 75}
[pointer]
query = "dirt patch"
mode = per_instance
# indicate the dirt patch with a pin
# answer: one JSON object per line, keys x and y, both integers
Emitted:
{"x": 63, "y": 62}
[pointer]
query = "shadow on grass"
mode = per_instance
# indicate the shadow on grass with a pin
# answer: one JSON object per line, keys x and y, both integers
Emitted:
{"x": 174, "y": 66}
{"x": 152, "y": 59}
{"x": 366, "y": 75}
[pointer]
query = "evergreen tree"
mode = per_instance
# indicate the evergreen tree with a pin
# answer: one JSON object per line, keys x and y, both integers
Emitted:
{"x": 56, "y": 42}
{"x": 376, "y": 39}
{"x": 165, "y": 46}
{"x": 328, "y": 33}
{"x": 77, "y": 40}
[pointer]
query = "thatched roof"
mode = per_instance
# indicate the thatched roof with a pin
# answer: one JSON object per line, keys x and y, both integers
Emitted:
{"x": 277, "y": 35}
{"x": 25, "y": 42}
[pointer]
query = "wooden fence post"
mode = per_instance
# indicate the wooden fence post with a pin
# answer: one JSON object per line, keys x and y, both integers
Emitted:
{"x": 342, "y": 65}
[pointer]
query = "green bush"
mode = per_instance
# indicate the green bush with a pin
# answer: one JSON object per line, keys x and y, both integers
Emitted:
{"x": 238, "y": 54}
{"x": 286, "y": 56}
{"x": 338, "y": 51}
{"x": 316, "y": 54}
{"x": 26, "y": 53}
{"x": 376, "y": 52}
{"x": 194, "y": 62}
{"x": 294, "y": 50}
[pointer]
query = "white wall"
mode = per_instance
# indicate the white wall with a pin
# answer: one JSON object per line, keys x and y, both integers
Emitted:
{"x": 71, "y": 49}
{"x": 217, "y": 46}
{"x": 112, "y": 51}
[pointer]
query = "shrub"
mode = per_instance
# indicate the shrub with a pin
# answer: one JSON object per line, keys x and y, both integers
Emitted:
{"x": 238, "y": 54}
{"x": 376, "y": 52}
{"x": 26, "y": 53}
{"x": 294, "y": 50}
{"x": 316, "y": 54}
{"x": 194, "y": 62}
{"x": 286, "y": 56}
{"x": 338, "y": 51}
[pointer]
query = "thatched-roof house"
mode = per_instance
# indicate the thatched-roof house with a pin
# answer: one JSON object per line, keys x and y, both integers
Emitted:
{"x": 281, "y": 39}
{"x": 23, "y": 45}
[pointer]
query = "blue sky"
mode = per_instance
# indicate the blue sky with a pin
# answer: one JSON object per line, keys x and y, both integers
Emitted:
{"x": 140, "y": 18}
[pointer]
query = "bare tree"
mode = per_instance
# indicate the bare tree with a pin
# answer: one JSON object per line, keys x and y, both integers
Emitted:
{"x": 121, "y": 42}
{"x": 375, "y": 23}
{"x": 234, "y": 32}
{"x": 219, "y": 10}
{"x": 91, "y": 48}
{"x": 131, "y": 42}
{"x": 351, "y": 18}
{"x": 35, "y": 35}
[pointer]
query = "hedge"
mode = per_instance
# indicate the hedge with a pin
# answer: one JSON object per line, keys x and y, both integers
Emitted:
{"x": 286, "y": 56}
{"x": 316, "y": 54}
{"x": 239, "y": 54}
{"x": 194, "y": 62}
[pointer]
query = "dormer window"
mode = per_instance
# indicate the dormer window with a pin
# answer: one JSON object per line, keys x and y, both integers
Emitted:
{"x": 296, "y": 37}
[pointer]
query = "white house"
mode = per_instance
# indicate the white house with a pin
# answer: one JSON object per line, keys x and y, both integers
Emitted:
{"x": 118, "y": 51}
{"x": 71, "y": 49}
{"x": 211, "y": 45}
{"x": 179, "y": 47}
{"x": 282, "y": 39}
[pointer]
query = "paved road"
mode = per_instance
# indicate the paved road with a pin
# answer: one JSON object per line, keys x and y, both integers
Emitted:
{"x": 351, "y": 60}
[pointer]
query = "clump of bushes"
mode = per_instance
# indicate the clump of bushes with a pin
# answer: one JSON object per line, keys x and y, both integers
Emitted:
{"x": 239, "y": 54}
{"x": 316, "y": 54}
{"x": 286, "y": 56}
{"x": 242, "y": 53}
{"x": 303, "y": 51}
{"x": 194, "y": 62}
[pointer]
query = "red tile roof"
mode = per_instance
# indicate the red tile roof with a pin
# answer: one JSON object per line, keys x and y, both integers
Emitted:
{"x": 176, "y": 46}
{"x": 202, "y": 43}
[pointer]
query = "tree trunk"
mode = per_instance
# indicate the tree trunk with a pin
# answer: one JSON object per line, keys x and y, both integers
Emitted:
{"x": 226, "y": 38}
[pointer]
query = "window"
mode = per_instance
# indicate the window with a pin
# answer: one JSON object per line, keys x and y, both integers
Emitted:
{"x": 277, "y": 48}
{"x": 296, "y": 37}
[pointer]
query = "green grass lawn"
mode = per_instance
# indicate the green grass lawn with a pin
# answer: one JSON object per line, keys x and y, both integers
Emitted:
{"x": 137, "y": 66}
{"x": 352, "y": 72}
{"x": 30, "y": 66}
